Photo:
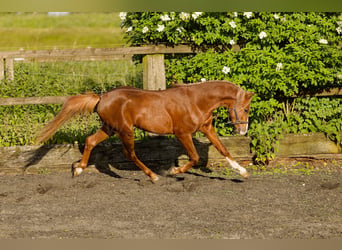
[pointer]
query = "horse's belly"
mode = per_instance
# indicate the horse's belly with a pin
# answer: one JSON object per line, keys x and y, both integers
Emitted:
{"x": 158, "y": 123}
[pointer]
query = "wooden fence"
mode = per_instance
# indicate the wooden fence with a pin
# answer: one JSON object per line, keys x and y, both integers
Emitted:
{"x": 153, "y": 66}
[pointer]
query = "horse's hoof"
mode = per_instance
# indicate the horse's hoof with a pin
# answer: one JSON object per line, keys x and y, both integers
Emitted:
{"x": 174, "y": 171}
{"x": 76, "y": 170}
{"x": 154, "y": 178}
{"x": 245, "y": 175}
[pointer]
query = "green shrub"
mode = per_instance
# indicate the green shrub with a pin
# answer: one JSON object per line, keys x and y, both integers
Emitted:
{"x": 276, "y": 55}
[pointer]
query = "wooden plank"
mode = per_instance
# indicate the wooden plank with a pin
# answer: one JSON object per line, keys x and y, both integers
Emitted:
{"x": 322, "y": 93}
{"x": 307, "y": 144}
{"x": 9, "y": 69}
{"x": 334, "y": 156}
{"x": 2, "y": 68}
{"x": 330, "y": 92}
{"x": 77, "y": 58}
{"x": 161, "y": 49}
{"x": 8, "y": 101}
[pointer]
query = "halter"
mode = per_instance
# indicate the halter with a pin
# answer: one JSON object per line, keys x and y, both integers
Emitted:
{"x": 237, "y": 122}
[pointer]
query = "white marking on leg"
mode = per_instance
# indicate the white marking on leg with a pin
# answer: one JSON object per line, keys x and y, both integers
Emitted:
{"x": 236, "y": 165}
{"x": 78, "y": 171}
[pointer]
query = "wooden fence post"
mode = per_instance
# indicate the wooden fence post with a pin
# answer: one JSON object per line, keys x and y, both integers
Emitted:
{"x": 9, "y": 69}
{"x": 154, "y": 72}
{"x": 2, "y": 69}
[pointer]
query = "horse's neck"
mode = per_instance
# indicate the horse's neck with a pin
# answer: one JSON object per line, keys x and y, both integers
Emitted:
{"x": 218, "y": 94}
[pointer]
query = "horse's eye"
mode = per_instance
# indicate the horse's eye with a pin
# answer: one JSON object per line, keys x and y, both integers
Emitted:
{"x": 246, "y": 111}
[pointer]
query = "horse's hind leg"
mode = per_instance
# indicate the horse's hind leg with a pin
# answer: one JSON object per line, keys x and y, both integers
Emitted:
{"x": 127, "y": 139}
{"x": 188, "y": 144}
{"x": 90, "y": 143}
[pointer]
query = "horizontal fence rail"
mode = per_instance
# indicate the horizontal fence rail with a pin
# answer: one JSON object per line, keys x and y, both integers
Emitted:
{"x": 88, "y": 52}
{"x": 8, "y": 101}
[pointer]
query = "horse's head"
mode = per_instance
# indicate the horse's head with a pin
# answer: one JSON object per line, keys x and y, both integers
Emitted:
{"x": 239, "y": 112}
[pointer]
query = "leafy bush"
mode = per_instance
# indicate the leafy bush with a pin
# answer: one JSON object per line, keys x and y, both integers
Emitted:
{"x": 278, "y": 56}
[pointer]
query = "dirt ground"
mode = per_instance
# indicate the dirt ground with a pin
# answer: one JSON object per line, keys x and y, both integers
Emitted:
{"x": 124, "y": 204}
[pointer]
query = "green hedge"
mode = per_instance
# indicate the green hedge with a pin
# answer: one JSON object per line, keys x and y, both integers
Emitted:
{"x": 280, "y": 56}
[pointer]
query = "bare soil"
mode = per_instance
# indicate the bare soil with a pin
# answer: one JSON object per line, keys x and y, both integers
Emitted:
{"x": 124, "y": 204}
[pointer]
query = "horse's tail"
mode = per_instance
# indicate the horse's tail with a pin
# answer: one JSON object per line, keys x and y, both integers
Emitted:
{"x": 74, "y": 105}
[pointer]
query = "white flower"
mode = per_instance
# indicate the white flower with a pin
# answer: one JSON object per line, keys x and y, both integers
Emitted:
{"x": 144, "y": 30}
{"x": 248, "y": 14}
{"x": 203, "y": 80}
{"x": 262, "y": 34}
{"x": 226, "y": 70}
{"x": 165, "y": 17}
{"x": 323, "y": 41}
{"x": 232, "y": 42}
{"x": 276, "y": 16}
{"x": 235, "y": 14}
{"x": 160, "y": 28}
{"x": 180, "y": 29}
{"x": 129, "y": 29}
{"x": 339, "y": 30}
{"x": 184, "y": 15}
{"x": 122, "y": 15}
{"x": 232, "y": 24}
{"x": 196, "y": 14}
{"x": 279, "y": 66}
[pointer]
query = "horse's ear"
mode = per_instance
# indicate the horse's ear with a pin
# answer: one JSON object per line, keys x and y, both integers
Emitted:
{"x": 249, "y": 94}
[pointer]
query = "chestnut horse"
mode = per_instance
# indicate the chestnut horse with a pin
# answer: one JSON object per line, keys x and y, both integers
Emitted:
{"x": 181, "y": 110}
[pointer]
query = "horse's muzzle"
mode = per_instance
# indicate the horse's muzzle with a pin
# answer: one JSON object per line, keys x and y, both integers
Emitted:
{"x": 242, "y": 131}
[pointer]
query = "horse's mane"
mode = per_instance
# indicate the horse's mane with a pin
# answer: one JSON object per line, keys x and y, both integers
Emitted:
{"x": 177, "y": 85}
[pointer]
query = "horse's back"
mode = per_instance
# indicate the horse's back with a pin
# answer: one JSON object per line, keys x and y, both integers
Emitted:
{"x": 145, "y": 109}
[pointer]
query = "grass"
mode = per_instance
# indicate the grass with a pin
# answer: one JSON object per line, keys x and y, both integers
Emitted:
{"x": 223, "y": 171}
{"x": 70, "y": 78}
{"x": 257, "y": 171}
{"x": 31, "y": 31}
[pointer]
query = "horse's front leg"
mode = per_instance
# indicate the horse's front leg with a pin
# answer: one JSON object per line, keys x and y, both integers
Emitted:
{"x": 90, "y": 143}
{"x": 186, "y": 140}
{"x": 209, "y": 131}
